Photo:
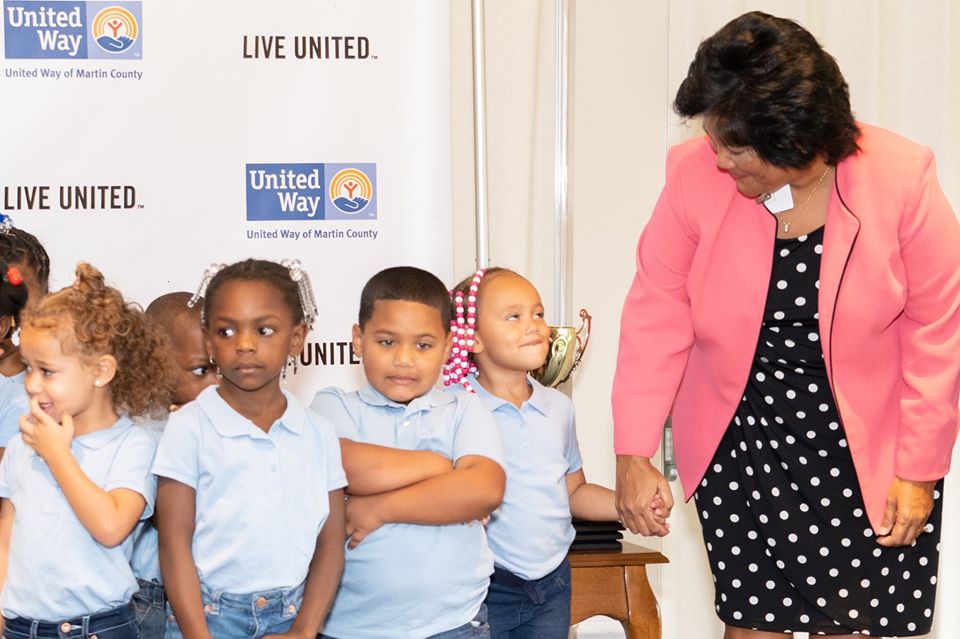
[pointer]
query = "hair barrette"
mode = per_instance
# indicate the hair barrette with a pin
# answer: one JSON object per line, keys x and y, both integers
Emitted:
{"x": 6, "y": 224}
{"x": 208, "y": 275}
{"x": 307, "y": 300}
{"x": 13, "y": 276}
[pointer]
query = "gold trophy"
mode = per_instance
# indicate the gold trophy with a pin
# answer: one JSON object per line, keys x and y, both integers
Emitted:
{"x": 567, "y": 346}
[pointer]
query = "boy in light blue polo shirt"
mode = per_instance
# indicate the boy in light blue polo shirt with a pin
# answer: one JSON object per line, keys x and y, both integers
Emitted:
{"x": 181, "y": 324}
{"x": 422, "y": 466}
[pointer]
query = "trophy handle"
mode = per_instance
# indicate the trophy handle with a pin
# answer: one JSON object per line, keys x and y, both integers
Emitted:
{"x": 586, "y": 323}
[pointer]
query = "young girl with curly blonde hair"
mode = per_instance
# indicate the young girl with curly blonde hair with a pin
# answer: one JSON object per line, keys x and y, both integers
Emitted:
{"x": 76, "y": 480}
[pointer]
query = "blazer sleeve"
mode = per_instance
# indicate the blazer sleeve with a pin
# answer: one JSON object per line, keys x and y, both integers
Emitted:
{"x": 929, "y": 330}
{"x": 656, "y": 329}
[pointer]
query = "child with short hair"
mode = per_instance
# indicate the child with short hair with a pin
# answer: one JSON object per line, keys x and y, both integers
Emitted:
{"x": 77, "y": 479}
{"x": 421, "y": 463}
{"x": 531, "y": 532}
{"x": 250, "y": 501}
{"x": 180, "y": 324}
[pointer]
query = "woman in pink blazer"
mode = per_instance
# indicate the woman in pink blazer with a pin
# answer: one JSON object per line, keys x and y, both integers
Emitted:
{"x": 796, "y": 310}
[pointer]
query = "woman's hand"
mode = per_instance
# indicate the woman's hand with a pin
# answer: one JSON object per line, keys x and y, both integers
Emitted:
{"x": 909, "y": 504}
{"x": 643, "y": 496}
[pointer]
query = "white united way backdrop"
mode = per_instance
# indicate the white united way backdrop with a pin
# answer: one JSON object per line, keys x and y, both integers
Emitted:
{"x": 153, "y": 138}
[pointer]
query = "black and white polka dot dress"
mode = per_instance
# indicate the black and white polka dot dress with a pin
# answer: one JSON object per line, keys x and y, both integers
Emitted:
{"x": 783, "y": 519}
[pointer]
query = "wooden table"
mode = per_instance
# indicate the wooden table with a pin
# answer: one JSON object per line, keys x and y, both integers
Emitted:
{"x": 614, "y": 584}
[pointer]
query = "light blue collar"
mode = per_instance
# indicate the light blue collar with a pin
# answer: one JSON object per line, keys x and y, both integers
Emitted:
{"x": 100, "y": 438}
{"x": 432, "y": 398}
{"x": 538, "y": 397}
{"x": 229, "y": 423}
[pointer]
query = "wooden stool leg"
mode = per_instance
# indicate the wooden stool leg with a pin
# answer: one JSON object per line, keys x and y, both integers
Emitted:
{"x": 643, "y": 614}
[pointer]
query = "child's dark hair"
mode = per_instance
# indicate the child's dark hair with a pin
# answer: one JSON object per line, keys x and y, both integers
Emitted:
{"x": 464, "y": 285}
{"x": 407, "y": 284}
{"x": 19, "y": 247}
{"x": 13, "y": 293}
{"x": 276, "y": 275}
{"x": 168, "y": 308}
{"x": 94, "y": 319}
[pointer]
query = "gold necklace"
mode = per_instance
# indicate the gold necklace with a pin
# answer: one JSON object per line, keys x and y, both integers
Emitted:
{"x": 799, "y": 211}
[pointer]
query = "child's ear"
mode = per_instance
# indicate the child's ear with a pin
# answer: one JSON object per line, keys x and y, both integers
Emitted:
{"x": 357, "y": 339}
{"x": 104, "y": 368}
{"x": 447, "y": 346}
{"x": 477, "y": 343}
{"x": 297, "y": 338}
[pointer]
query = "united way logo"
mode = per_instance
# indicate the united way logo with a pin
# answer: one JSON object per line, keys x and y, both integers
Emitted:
{"x": 72, "y": 30}
{"x": 350, "y": 190}
{"x": 311, "y": 192}
{"x": 115, "y": 29}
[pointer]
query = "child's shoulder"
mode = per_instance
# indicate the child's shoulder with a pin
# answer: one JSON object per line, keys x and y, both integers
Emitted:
{"x": 333, "y": 400}
{"x": 152, "y": 425}
{"x": 334, "y": 392}
{"x": 14, "y": 448}
{"x": 551, "y": 395}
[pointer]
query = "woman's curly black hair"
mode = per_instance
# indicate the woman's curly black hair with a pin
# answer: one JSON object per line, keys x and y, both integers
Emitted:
{"x": 766, "y": 83}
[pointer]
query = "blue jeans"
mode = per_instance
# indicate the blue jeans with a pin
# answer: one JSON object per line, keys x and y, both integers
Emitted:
{"x": 476, "y": 628}
{"x": 150, "y": 605}
{"x": 119, "y": 623}
{"x": 246, "y": 616}
{"x": 530, "y": 609}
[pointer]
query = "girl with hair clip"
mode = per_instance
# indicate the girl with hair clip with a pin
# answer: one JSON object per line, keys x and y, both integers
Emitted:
{"x": 25, "y": 253}
{"x": 76, "y": 480}
{"x": 13, "y": 297}
{"x": 250, "y": 504}
{"x": 500, "y": 336}
{"x": 26, "y": 268}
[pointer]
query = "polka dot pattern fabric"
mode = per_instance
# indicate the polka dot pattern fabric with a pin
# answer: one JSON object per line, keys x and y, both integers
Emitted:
{"x": 783, "y": 519}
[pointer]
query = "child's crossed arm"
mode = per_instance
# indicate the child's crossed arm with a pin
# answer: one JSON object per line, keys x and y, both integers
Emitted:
{"x": 373, "y": 469}
{"x": 470, "y": 492}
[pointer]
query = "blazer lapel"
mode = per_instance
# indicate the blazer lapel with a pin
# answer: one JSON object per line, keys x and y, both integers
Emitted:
{"x": 840, "y": 235}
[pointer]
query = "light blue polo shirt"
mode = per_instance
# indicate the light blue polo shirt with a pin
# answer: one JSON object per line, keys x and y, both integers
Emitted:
{"x": 408, "y": 580}
{"x": 145, "y": 560}
{"x": 530, "y": 533}
{"x": 57, "y": 570}
{"x": 13, "y": 404}
{"x": 262, "y": 498}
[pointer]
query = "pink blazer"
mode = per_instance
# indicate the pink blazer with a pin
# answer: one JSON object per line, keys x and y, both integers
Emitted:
{"x": 889, "y": 305}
